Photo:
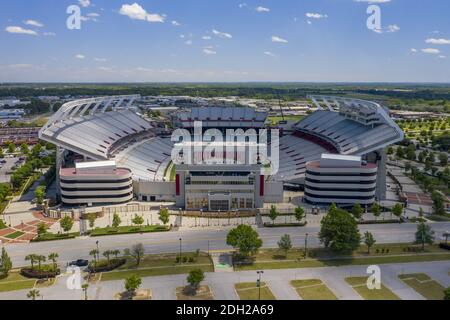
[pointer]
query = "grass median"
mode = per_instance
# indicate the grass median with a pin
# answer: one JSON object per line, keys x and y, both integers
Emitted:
{"x": 360, "y": 286}
{"x": 15, "y": 281}
{"x": 249, "y": 291}
{"x": 424, "y": 285}
{"x": 312, "y": 289}
{"x": 98, "y": 232}
{"x": 320, "y": 257}
{"x": 159, "y": 265}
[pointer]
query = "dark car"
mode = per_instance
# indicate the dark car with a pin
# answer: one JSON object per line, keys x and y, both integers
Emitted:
{"x": 79, "y": 263}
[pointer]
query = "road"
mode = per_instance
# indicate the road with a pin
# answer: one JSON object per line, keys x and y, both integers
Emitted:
{"x": 215, "y": 239}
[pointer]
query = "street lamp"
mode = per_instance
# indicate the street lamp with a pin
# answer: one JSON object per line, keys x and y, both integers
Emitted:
{"x": 306, "y": 244}
{"x": 258, "y": 283}
{"x": 180, "y": 252}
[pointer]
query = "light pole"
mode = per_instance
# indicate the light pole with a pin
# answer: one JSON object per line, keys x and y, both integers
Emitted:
{"x": 306, "y": 245}
{"x": 180, "y": 252}
{"x": 258, "y": 283}
{"x": 208, "y": 247}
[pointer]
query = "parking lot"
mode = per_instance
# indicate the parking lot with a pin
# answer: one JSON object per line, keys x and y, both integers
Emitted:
{"x": 6, "y": 167}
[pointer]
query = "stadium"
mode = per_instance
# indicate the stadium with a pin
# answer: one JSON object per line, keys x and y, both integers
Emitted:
{"x": 108, "y": 153}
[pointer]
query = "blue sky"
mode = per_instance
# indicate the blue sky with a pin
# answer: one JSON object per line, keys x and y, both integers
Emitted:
{"x": 225, "y": 40}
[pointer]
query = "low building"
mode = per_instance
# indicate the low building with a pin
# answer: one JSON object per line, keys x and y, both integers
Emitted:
{"x": 340, "y": 179}
{"x": 98, "y": 182}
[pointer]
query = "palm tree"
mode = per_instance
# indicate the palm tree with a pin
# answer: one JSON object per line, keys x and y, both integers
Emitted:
{"x": 446, "y": 234}
{"x": 53, "y": 256}
{"x": 40, "y": 259}
{"x": 94, "y": 253}
{"x": 32, "y": 258}
{"x": 33, "y": 294}
{"x": 115, "y": 253}
{"x": 85, "y": 287}
{"x": 107, "y": 254}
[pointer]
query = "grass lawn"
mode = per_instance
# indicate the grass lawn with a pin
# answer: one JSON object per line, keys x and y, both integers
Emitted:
{"x": 360, "y": 286}
{"x": 55, "y": 236}
{"x": 14, "y": 281}
{"x": 249, "y": 291}
{"x": 203, "y": 293}
{"x": 15, "y": 235}
{"x": 160, "y": 264}
{"x": 313, "y": 289}
{"x": 424, "y": 285}
{"x": 321, "y": 257}
{"x": 126, "y": 230}
{"x": 276, "y": 120}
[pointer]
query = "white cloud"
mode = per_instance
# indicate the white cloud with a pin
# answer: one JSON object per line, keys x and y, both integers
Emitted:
{"x": 442, "y": 57}
{"x": 209, "y": 51}
{"x": 99, "y": 59}
{"x": 262, "y": 9}
{"x": 93, "y": 15}
{"x": 20, "y": 30}
{"x": 437, "y": 41}
{"x": 278, "y": 39}
{"x": 268, "y": 53}
{"x": 413, "y": 50}
{"x": 316, "y": 15}
{"x": 242, "y": 5}
{"x": 84, "y": 3}
{"x": 49, "y": 34}
{"x": 135, "y": 11}
{"x": 206, "y": 38}
{"x": 33, "y": 23}
{"x": 176, "y": 23}
{"x": 188, "y": 42}
{"x": 80, "y": 56}
{"x": 431, "y": 51}
{"x": 393, "y": 28}
{"x": 222, "y": 34}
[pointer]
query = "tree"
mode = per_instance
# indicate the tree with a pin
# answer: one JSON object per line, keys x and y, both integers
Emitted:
{"x": 285, "y": 243}
{"x": 137, "y": 252}
{"x": 11, "y": 147}
{"x": 194, "y": 278}
{"x": 399, "y": 153}
{"x": 299, "y": 214}
{"x": 339, "y": 231}
{"x": 116, "y": 220}
{"x": 438, "y": 203}
{"x": 66, "y": 223}
{"x": 5, "y": 264}
{"x": 446, "y": 234}
{"x": 39, "y": 193}
{"x": 53, "y": 256}
{"x": 92, "y": 216}
{"x": 245, "y": 239}
{"x": 273, "y": 214}
{"x": 447, "y": 294}
{"x": 420, "y": 212}
{"x": 40, "y": 259}
{"x": 33, "y": 294}
{"x": 376, "y": 210}
{"x": 164, "y": 215}
{"x": 107, "y": 254}
{"x": 94, "y": 253}
{"x": 42, "y": 229}
{"x": 424, "y": 235}
{"x": 24, "y": 149}
{"x": 397, "y": 210}
{"x": 369, "y": 240}
{"x": 357, "y": 211}
{"x": 443, "y": 159}
{"x": 132, "y": 283}
{"x": 115, "y": 253}
{"x": 138, "y": 220}
{"x": 85, "y": 287}
{"x": 32, "y": 258}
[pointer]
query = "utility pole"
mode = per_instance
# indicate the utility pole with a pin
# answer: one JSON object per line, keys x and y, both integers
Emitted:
{"x": 258, "y": 283}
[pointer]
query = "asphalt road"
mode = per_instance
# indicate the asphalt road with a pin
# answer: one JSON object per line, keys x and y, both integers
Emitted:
{"x": 215, "y": 239}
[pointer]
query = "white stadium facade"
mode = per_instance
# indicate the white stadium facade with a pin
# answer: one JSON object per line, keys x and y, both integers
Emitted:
{"x": 108, "y": 153}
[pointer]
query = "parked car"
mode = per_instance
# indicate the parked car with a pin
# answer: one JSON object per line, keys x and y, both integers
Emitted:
{"x": 79, "y": 263}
